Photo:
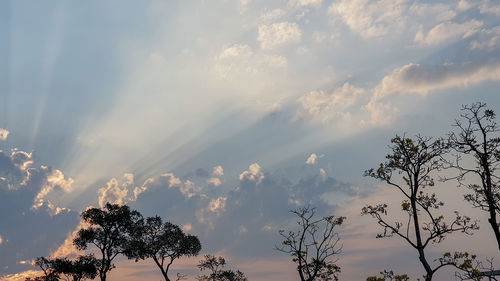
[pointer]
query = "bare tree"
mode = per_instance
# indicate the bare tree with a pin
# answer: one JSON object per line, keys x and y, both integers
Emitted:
{"x": 409, "y": 169}
{"x": 477, "y": 136}
{"x": 313, "y": 245}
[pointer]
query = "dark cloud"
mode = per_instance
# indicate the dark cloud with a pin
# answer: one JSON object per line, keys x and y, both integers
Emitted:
{"x": 29, "y": 231}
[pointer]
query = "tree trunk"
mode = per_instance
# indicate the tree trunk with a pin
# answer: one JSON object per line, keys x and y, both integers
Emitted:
{"x": 418, "y": 236}
{"x": 491, "y": 202}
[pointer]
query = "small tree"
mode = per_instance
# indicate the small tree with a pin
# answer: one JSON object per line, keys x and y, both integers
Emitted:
{"x": 313, "y": 245}
{"x": 477, "y": 136}
{"x": 84, "y": 267}
{"x": 163, "y": 242}
{"x": 409, "y": 169}
{"x": 388, "y": 276}
{"x": 109, "y": 232}
{"x": 79, "y": 269}
{"x": 49, "y": 272}
{"x": 217, "y": 272}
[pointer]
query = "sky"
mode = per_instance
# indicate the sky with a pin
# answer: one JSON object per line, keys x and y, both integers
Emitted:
{"x": 222, "y": 115}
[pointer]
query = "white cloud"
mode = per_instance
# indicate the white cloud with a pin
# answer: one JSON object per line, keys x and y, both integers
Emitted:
{"x": 320, "y": 37}
{"x": 54, "y": 182}
{"x": 240, "y": 62}
{"x": 370, "y": 18}
{"x": 463, "y": 5}
{"x": 312, "y": 159}
{"x": 236, "y": 51}
{"x": 322, "y": 173}
{"x": 488, "y": 8}
{"x": 435, "y": 11}
{"x": 327, "y": 106}
{"x": 113, "y": 193}
{"x": 21, "y": 159}
{"x": 269, "y": 16}
{"x": 487, "y": 40}
{"x": 217, "y": 206}
{"x": 3, "y": 134}
{"x": 254, "y": 174}
{"x": 305, "y": 3}
{"x": 218, "y": 171}
{"x": 423, "y": 79}
{"x": 67, "y": 249}
{"x": 446, "y": 31}
{"x": 214, "y": 181}
{"x": 278, "y": 34}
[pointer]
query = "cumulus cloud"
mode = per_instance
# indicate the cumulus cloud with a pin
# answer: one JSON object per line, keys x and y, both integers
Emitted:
{"x": 312, "y": 159}
{"x": 214, "y": 182}
{"x": 253, "y": 173}
{"x": 218, "y": 171}
{"x": 217, "y": 206}
{"x": 113, "y": 193}
{"x": 3, "y": 134}
{"x": 446, "y": 31}
{"x": 278, "y": 34}
{"x": 30, "y": 215}
{"x": 370, "y": 18}
{"x": 325, "y": 106}
{"x": 54, "y": 182}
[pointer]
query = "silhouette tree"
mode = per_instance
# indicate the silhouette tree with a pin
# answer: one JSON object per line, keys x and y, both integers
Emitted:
{"x": 163, "y": 242}
{"x": 313, "y": 245}
{"x": 47, "y": 267}
{"x": 477, "y": 136}
{"x": 79, "y": 269}
{"x": 217, "y": 272}
{"x": 409, "y": 169}
{"x": 84, "y": 267}
{"x": 388, "y": 276}
{"x": 109, "y": 231}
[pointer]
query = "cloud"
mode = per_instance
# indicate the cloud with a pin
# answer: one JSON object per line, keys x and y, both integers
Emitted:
{"x": 312, "y": 160}
{"x": 447, "y": 31}
{"x": 323, "y": 37}
{"x": 269, "y": 16}
{"x": 218, "y": 171}
{"x": 218, "y": 205}
{"x": 370, "y": 18}
{"x": 214, "y": 181}
{"x": 323, "y": 106}
{"x": 463, "y": 5}
{"x": 422, "y": 79}
{"x": 305, "y": 3}
{"x": 54, "y": 182}
{"x": 488, "y": 8}
{"x": 113, "y": 193}
{"x": 3, "y": 134}
{"x": 487, "y": 40}
{"x": 278, "y": 34}
{"x": 432, "y": 12}
{"x": 241, "y": 62}
{"x": 252, "y": 174}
